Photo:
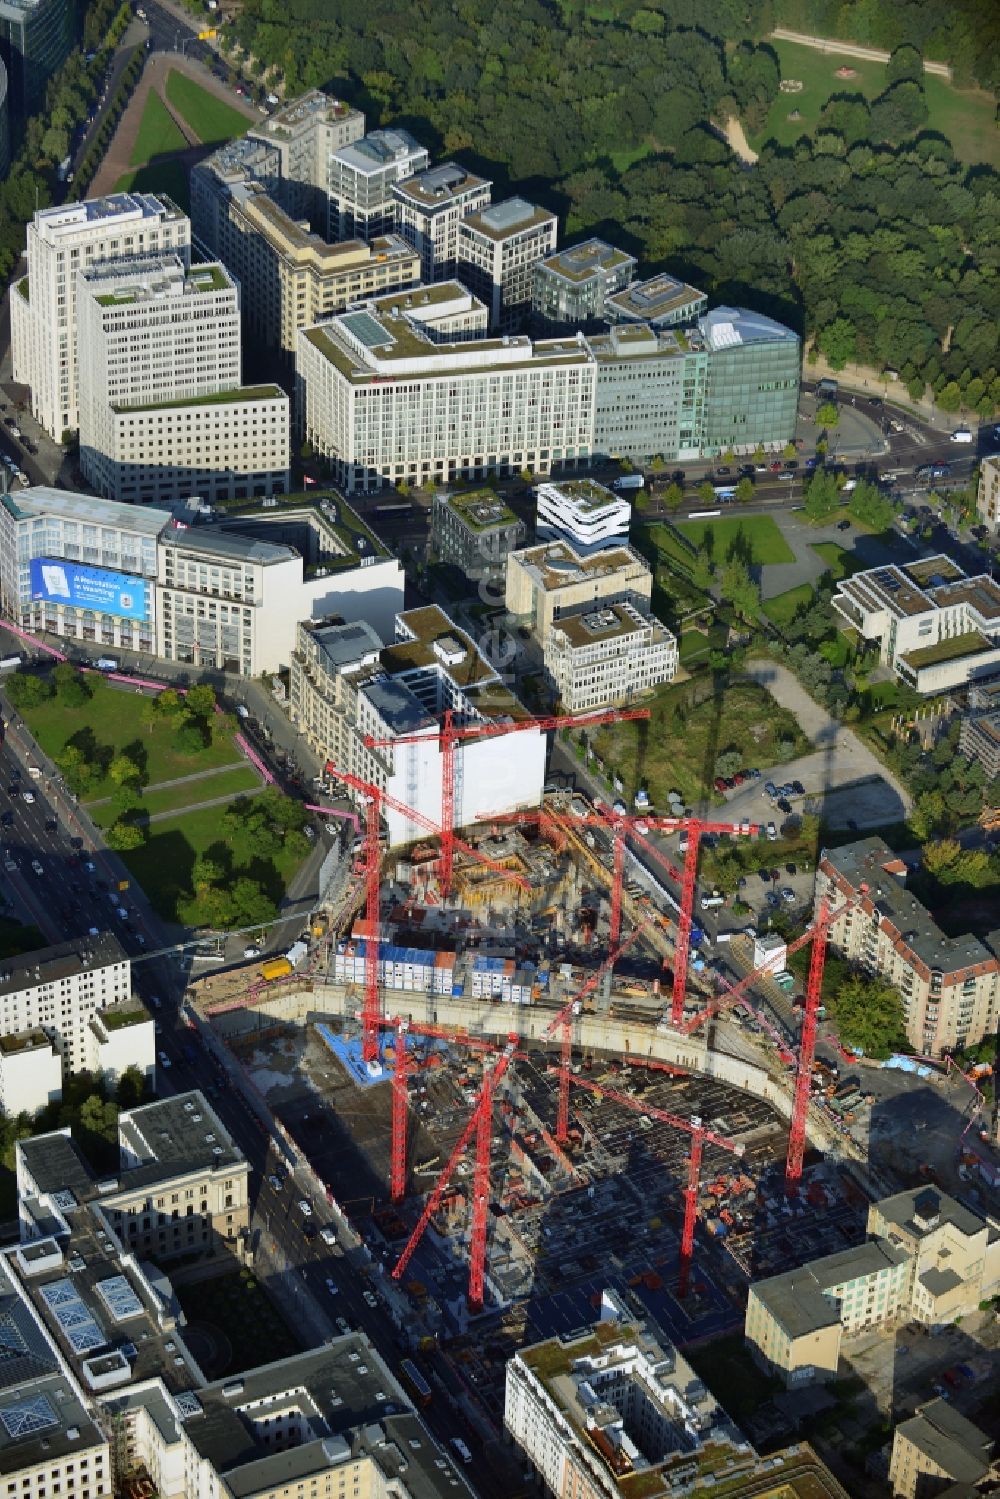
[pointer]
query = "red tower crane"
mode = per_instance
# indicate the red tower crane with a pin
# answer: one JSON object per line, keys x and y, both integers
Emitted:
{"x": 481, "y": 1192}
{"x": 476, "y": 1267}
{"x": 375, "y": 798}
{"x": 807, "y": 1052}
{"x": 397, "y": 1169}
{"x": 700, "y": 1137}
{"x": 450, "y": 736}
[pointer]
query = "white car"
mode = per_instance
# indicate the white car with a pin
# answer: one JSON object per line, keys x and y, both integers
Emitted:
{"x": 772, "y": 833}
{"x": 28, "y": 796}
{"x": 164, "y": 1060}
{"x": 251, "y": 952}
{"x": 962, "y": 434}
{"x": 370, "y": 1298}
{"x": 305, "y": 1208}
{"x": 37, "y": 866}
{"x": 328, "y": 1234}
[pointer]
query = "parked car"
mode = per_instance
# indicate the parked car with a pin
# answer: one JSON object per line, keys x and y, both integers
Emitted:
{"x": 788, "y": 895}
{"x": 304, "y": 1207}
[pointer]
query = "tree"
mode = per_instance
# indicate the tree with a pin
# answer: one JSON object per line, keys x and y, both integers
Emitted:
{"x": 207, "y": 871}
{"x": 26, "y": 690}
{"x": 127, "y": 799}
{"x": 839, "y": 343}
{"x": 131, "y": 1089}
{"x": 124, "y": 771}
{"x": 77, "y": 770}
{"x": 72, "y": 687}
{"x": 284, "y": 811}
{"x": 744, "y": 490}
{"x": 729, "y": 762}
{"x": 822, "y": 496}
{"x": 702, "y": 569}
{"x": 190, "y": 737}
{"x": 169, "y": 703}
{"x": 200, "y": 700}
{"x": 827, "y": 415}
{"x": 949, "y": 397}
{"x": 706, "y": 491}
{"x": 251, "y": 903}
{"x": 672, "y": 496}
{"x": 868, "y": 1013}
{"x": 740, "y": 590}
{"x": 124, "y": 836}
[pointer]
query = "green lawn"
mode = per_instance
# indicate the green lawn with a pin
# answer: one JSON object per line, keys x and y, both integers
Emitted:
{"x": 176, "y": 798}
{"x": 118, "y": 721}
{"x": 158, "y": 133}
{"x": 691, "y": 724}
{"x": 163, "y": 865}
{"x": 212, "y": 120}
{"x": 840, "y": 562}
{"x": 758, "y": 533}
{"x": 782, "y": 609}
{"x": 166, "y": 176}
{"x": 965, "y": 116}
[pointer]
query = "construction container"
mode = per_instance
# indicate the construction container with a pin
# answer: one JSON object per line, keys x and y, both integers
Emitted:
{"x": 275, "y": 968}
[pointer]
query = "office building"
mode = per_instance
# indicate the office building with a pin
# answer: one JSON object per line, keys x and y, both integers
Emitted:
{"x": 498, "y": 249}
{"x": 607, "y": 656}
{"x": 361, "y": 179}
{"x": 387, "y": 403}
{"x": 660, "y": 302}
{"x": 80, "y": 567}
{"x": 545, "y": 582}
{"x": 950, "y": 986}
{"x": 36, "y": 37}
{"x": 979, "y": 737}
{"x": 939, "y": 1451}
{"x": 61, "y": 242}
{"x": 615, "y": 1409}
{"x": 430, "y": 207}
{"x": 301, "y": 138}
{"x": 345, "y": 685}
{"x": 289, "y": 277}
{"x": 927, "y": 1259}
{"x": 651, "y": 391}
{"x": 937, "y": 629}
{"x": 582, "y": 513}
{"x": 988, "y": 493}
{"x": 475, "y": 530}
{"x": 58, "y": 990}
{"x": 571, "y": 288}
{"x": 752, "y": 390}
{"x": 162, "y": 412}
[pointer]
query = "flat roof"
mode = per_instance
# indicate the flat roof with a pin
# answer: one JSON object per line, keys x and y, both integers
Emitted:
{"x": 980, "y": 593}
{"x": 586, "y": 261}
{"x": 379, "y": 149}
{"x": 239, "y": 395}
{"x": 343, "y": 644}
{"x": 67, "y": 217}
{"x": 481, "y": 509}
{"x": 604, "y": 622}
{"x": 866, "y": 862}
{"x": 56, "y": 1161}
{"x": 555, "y": 564}
{"x": 507, "y": 218}
{"x": 919, "y": 1210}
{"x": 640, "y": 341}
{"x": 383, "y": 344}
{"x": 398, "y": 705}
{"x": 303, "y": 112}
{"x": 162, "y": 282}
{"x": 43, "y": 499}
{"x": 654, "y": 298}
{"x": 47, "y": 965}
{"x": 217, "y": 542}
{"x": 183, "y": 1132}
{"x": 585, "y": 496}
{"x": 437, "y": 187}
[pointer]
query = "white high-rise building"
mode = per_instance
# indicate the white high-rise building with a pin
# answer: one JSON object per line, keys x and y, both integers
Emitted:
{"x": 361, "y": 178}
{"x": 162, "y": 412}
{"x": 59, "y": 990}
{"x": 583, "y": 513}
{"x": 406, "y": 388}
{"x": 62, "y": 242}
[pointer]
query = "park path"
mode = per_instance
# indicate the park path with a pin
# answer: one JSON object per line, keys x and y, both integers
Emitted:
{"x": 196, "y": 775}
{"x": 826, "y": 732}
{"x": 215, "y": 801}
{"x": 118, "y": 159}
{"x": 737, "y": 141}
{"x": 851, "y": 49}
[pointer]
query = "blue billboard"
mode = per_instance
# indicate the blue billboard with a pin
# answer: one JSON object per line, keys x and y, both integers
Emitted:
{"x": 56, "y": 582}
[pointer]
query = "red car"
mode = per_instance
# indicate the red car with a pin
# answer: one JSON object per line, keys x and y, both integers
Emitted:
{"x": 719, "y": 784}
{"x": 776, "y": 467}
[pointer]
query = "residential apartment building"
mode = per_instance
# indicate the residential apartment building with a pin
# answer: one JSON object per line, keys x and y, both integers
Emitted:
{"x": 571, "y": 288}
{"x": 30, "y": 1072}
{"x": 61, "y": 242}
{"x": 117, "y": 1038}
{"x": 162, "y": 412}
{"x": 608, "y": 656}
{"x": 345, "y": 685}
{"x": 430, "y": 207}
{"x": 937, "y": 629}
{"x": 80, "y": 567}
{"x": 939, "y": 1451}
{"x": 582, "y": 513}
{"x": 979, "y": 737}
{"x": 950, "y": 986}
{"x": 59, "y": 989}
{"x": 795, "y": 1322}
{"x": 545, "y": 582}
{"x": 615, "y": 1409}
{"x": 289, "y": 277}
{"x": 475, "y": 530}
{"x": 386, "y": 403}
{"x": 303, "y": 135}
{"x": 752, "y": 387}
{"x": 988, "y": 493}
{"x": 498, "y": 249}
{"x": 660, "y": 302}
{"x": 651, "y": 391}
{"x": 927, "y": 1259}
{"x": 361, "y": 179}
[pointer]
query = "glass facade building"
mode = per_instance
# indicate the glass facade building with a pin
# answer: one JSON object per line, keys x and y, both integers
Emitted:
{"x": 752, "y": 390}
{"x": 36, "y": 36}
{"x": 4, "y": 123}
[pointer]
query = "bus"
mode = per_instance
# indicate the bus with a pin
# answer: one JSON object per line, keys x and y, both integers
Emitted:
{"x": 415, "y": 1381}
{"x": 462, "y": 1450}
{"x": 725, "y": 492}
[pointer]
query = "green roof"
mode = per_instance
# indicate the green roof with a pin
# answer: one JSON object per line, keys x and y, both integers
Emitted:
{"x": 116, "y": 1020}
{"x": 969, "y": 644}
{"x": 355, "y": 370}
{"x": 219, "y": 398}
{"x": 482, "y": 509}
{"x": 208, "y": 277}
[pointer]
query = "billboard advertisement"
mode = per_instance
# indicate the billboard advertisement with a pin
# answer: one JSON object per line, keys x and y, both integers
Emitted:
{"x": 57, "y": 582}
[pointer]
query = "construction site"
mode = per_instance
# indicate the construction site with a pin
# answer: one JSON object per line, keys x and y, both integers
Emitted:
{"x": 511, "y": 1061}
